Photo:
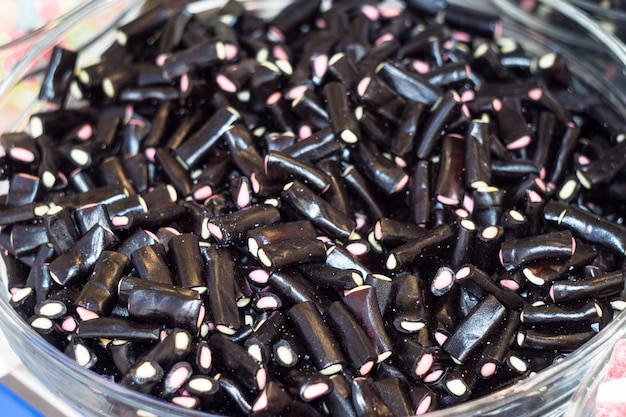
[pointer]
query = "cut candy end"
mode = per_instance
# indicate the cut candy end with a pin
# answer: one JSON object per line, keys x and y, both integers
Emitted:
{"x": 315, "y": 391}
{"x": 443, "y": 280}
{"x": 519, "y": 143}
{"x": 456, "y": 387}
{"x": 509, "y": 284}
{"x": 423, "y": 406}
{"x": 261, "y": 378}
{"x": 349, "y": 136}
{"x": 440, "y": 338}
{"x": 424, "y": 364}
{"x": 488, "y": 369}
{"x": 366, "y": 368}
{"x": 332, "y": 369}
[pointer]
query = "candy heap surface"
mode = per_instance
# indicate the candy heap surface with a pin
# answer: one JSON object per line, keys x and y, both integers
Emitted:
{"x": 342, "y": 210}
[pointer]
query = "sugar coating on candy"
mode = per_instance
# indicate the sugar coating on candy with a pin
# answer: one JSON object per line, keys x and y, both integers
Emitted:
{"x": 610, "y": 401}
{"x": 616, "y": 367}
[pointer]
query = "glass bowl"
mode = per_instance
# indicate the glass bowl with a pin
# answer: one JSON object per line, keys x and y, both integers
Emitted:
{"x": 545, "y": 394}
{"x": 583, "y": 402}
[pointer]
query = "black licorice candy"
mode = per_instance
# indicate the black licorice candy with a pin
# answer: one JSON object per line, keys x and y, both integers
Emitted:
{"x": 321, "y": 345}
{"x": 474, "y": 329}
{"x": 589, "y": 227}
{"x": 412, "y": 251}
{"x": 189, "y": 267}
{"x": 356, "y": 346}
{"x": 556, "y": 245}
{"x": 232, "y": 227}
{"x": 118, "y": 328}
{"x": 151, "y": 302}
{"x": 231, "y": 357}
{"x": 318, "y": 210}
{"x": 79, "y": 260}
{"x": 342, "y": 119}
{"x": 99, "y": 293}
{"x": 604, "y": 285}
{"x": 433, "y": 59}
{"x": 220, "y": 283}
{"x": 151, "y": 263}
{"x": 363, "y": 304}
{"x": 291, "y": 252}
{"x": 56, "y": 83}
{"x": 293, "y": 288}
{"x": 273, "y": 233}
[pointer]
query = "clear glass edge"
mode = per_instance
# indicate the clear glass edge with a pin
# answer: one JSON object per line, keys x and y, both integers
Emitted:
{"x": 576, "y": 363}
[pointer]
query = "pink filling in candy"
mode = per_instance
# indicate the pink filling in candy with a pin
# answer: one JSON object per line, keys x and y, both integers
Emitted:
{"x": 433, "y": 376}
{"x": 22, "y": 154}
{"x": 424, "y": 364}
{"x": 320, "y": 65}
{"x": 273, "y": 98}
{"x": 401, "y": 184}
{"x": 366, "y": 368}
{"x": 261, "y": 378}
{"x": 150, "y": 152}
{"x": 206, "y": 358}
{"x": 266, "y": 303}
{"x": 160, "y": 60}
{"x": 296, "y": 92}
{"x": 215, "y": 231}
{"x": 201, "y": 315}
{"x": 186, "y": 402}
{"x": 184, "y": 83}
{"x": 371, "y": 12}
{"x": 362, "y": 86}
{"x": 535, "y": 94}
{"x": 69, "y": 324}
{"x": 243, "y": 197}
{"x": 178, "y": 377}
{"x": 261, "y": 402}
{"x": 461, "y": 36}
{"x": 583, "y": 160}
{"x": 421, "y": 67}
{"x": 280, "y": 53}
{"x": 357, "y": 248}
{"x": 449, "y": 201}
{"x": 468, "y": 95}
{"x": 85, "y": 314}
{"x": 390, "y": 11}
{"x": 231, "y": 51}
{"x": 384, "y": 38}
{"x": 225, "y": 83}
{"x": 315, "y": 391}
{"x": 443, "y": 280}
{"x": 440, "y": 338}
{"x": 378, "y": 232}
{"x": 304, "y": 132}
{"x": 120, "y": 221}
{"x": 203, "y": 193}
{"x": 509, "y": 284}
{"x": 260, "y": 276}
{"x": 519, "y": 143}
{"x": 275, "y": 33}
{"x": 423, "y": 406}
{"x": 488, "y": 369}
{"x": 85, "y": 132}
